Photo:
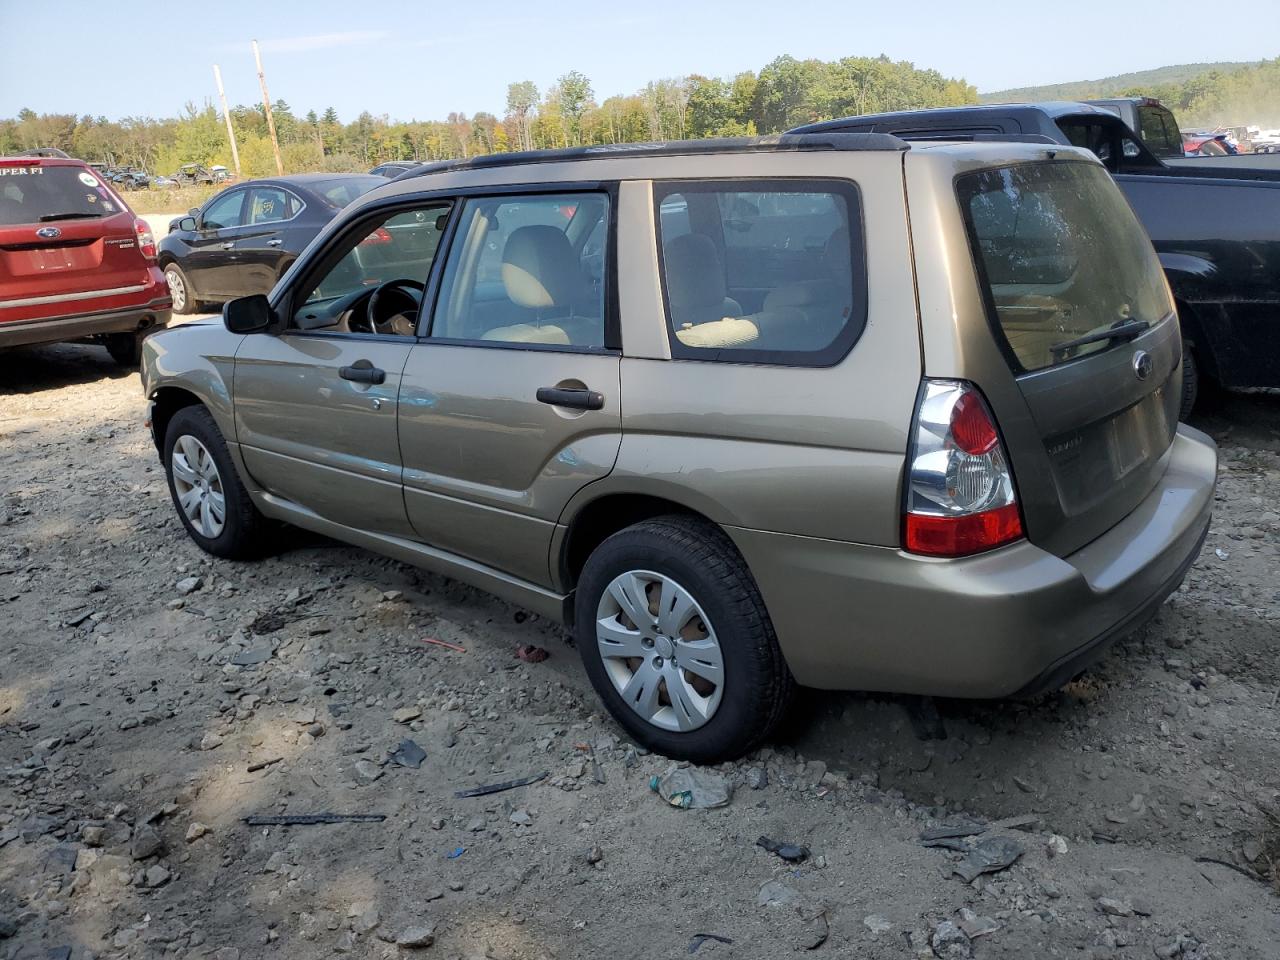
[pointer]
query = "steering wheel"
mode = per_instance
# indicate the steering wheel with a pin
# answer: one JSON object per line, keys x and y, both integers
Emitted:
{"x": 402, "y": 285}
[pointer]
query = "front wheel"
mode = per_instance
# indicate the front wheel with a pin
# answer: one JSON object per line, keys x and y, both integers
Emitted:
{"x": 212, "y": 502}
{"x": 676, "y": 640}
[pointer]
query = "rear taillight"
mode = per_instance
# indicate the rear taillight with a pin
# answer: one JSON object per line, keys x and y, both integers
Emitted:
{"x": 377, "y": 238}
{"x": 146, "y": 241}
{"x": 960, "y": 494}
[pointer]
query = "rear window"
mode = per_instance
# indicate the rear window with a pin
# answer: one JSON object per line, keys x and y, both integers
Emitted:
{"x": 44, "y": 194}
{"x": 338, "y": 193}
{"x": 1061, "y": 256}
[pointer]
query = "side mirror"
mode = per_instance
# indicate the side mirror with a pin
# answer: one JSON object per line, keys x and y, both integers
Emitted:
{"x": 248, "y": 314}
{"x": 184, "y": 223}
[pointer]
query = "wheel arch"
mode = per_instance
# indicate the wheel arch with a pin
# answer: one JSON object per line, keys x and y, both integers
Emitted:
{"x": 165, "y": 403}
{"x": 600, "y": 518}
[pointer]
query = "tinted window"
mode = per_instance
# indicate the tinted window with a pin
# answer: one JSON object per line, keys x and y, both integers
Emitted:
{"x": 225, "y": 211}
{"x": 1159, "y": 131}
{"x": 527, "y": 269}
{"x": 271, "y": 205}
{"x": 767, "y": 272}
{"x": 338, "y": 193}
{"x": 1062, "y": 256}
{"x": 399, "y": 247}
{"x": 40, "y": 194}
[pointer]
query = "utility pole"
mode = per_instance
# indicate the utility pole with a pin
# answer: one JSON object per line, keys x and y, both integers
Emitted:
{"x": 266, "y": 103}
{"x": 231, "y": 134}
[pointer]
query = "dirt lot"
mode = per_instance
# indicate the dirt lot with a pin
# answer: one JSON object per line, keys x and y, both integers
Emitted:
{"x": 151, "y": 698}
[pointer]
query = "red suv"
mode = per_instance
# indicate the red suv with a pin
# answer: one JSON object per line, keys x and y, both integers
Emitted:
{"x": 75, "y": 262}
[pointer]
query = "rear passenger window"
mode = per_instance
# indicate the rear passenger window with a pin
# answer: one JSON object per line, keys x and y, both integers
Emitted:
{"x": 762, "y": 271}
{"x": 527, "y": 270}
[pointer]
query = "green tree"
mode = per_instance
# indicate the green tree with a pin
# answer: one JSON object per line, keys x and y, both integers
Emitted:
{"x": 575, "y": 99}
{"x": 522, "y": 98}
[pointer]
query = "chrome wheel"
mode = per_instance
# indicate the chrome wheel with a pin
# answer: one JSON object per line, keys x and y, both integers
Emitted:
{"x": 659, "y": 650}
{"x": 198, "y": 486}
{"x": 177, "y": 290}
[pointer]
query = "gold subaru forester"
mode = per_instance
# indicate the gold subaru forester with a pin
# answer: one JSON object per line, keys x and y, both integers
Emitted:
{"x": 830, "y": 410}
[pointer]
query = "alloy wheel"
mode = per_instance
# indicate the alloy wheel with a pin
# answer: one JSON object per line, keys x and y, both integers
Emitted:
{"x": 177, "y": 289}
{"x": 660, "y": 650}
{"x": 198, "y": 486}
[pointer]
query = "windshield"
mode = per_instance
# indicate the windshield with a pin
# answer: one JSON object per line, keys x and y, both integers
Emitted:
{"x": 338, "y": 193}
{"x": 43, "y": 194}
{"x": 1062, "y": 257}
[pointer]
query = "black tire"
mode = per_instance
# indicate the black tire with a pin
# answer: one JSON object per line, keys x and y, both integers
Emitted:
{"x": 180, "y": 289}
{"x": 125, "y": 348}
{"x": 758, "y": 686}
{"x": 242, "y": 536}
{"x": 1190, "y": 382}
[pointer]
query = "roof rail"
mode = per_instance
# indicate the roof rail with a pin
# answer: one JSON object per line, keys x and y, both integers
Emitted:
{"x": 777, "y": 143}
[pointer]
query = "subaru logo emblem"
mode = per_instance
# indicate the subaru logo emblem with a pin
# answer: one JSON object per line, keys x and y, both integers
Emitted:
{"x": 49, "y": 233}
{"x": 1142, "y": 364}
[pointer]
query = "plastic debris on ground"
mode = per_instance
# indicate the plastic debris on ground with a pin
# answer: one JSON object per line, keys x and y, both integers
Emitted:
{"x": 488, "y": 788}
{"x": 791, "y": 852}
{"x": 408, "y": 754}
{"x": 531, "y": 654}
{"x": 456, "y": 852}
{"x": 700, "y": 938}
{"x": 989, "y": 856}
{"x": 687, "y": 788}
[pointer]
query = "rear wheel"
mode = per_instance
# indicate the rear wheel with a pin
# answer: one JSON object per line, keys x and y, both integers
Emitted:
{"x": 212, "y": 502}
{"x": 125, "y": 348}
{"x": 180, "y": 291}
{"x": 676, "y": 640}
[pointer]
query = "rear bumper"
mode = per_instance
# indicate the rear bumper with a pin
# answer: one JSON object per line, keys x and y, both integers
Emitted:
{"x": 1010, "y": 622}
{"x": 154, "y": 313}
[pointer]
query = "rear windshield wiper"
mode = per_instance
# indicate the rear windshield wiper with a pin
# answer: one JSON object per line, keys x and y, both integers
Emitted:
{"x": 1126, "y": 330}
{"x": 67, "y": 216}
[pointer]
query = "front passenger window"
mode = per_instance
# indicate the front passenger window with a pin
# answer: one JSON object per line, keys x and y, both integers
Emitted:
{"x": 527, "y": 270}
{"x": 224, "y": 212}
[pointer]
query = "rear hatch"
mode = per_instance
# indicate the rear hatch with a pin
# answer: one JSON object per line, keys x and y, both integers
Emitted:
{"x": 68, "y": 244}
{"x": 1080, "y": 309}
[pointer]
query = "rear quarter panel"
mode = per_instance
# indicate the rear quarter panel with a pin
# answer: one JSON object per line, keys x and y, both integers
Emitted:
{"x": 1219, "y": 241}
{"x": 804, "y": 450}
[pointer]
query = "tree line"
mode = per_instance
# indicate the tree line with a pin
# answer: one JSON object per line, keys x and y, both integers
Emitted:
{"x": 784, "y": 93}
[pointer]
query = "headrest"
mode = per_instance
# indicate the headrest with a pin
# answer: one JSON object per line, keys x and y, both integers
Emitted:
{"x": 539, "y": 268}
{"x": 695, "y": 277}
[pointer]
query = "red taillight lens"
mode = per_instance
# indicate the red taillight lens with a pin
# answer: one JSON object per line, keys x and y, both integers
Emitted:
{"x": 960, "y": 494}
{"x": 971, "y": 426}
{"x": 146, "y": 241}
{"x": 960, "y": 536}
{"x": 377, "y": 238}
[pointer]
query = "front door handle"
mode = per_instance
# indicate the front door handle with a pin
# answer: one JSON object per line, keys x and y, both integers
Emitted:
{"x": 274, "y": 243}
{"x": 362, "y": 371}
{"x": 228, "y": 245}
{"x": 578, "y": 398}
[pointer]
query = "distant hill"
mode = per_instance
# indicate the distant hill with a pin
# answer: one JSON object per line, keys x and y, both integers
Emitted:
{"x": 1112, "y": 86}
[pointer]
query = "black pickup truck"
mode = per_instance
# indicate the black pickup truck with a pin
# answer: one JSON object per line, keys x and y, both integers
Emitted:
{"x": 1216, "y": 227}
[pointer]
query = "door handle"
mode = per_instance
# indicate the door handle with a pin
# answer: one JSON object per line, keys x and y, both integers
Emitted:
{"x": 580, "y": 399}
{"x": 274, "y": 243}
{"x": 362, "y": 371}
{"x": 228, "y": 245}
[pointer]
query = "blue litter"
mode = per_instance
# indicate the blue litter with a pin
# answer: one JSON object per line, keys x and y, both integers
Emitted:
{"x": 456, "y": 852}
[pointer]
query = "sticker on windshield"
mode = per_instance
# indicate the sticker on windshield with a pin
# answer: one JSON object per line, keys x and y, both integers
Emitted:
{"x": 109, "y": 207}
{"x": 91, "y": 198}
{"x": 88, "y": 179}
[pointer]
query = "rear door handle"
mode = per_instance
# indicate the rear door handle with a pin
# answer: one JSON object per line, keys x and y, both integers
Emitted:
{"x": 571, "y": 397}
{"x": 274, "y": 243}
{"x": 362, "y": 371}
{"x": 228, "y": 245}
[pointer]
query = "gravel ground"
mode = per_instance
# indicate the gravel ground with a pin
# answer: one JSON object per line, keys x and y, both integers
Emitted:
{"x": 151, "y": 698}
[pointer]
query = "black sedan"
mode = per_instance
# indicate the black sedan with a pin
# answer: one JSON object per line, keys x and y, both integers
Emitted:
{"x": 244, "y": 238}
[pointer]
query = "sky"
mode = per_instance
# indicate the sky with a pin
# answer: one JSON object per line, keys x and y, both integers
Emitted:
{"x": 423, "y": 60}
